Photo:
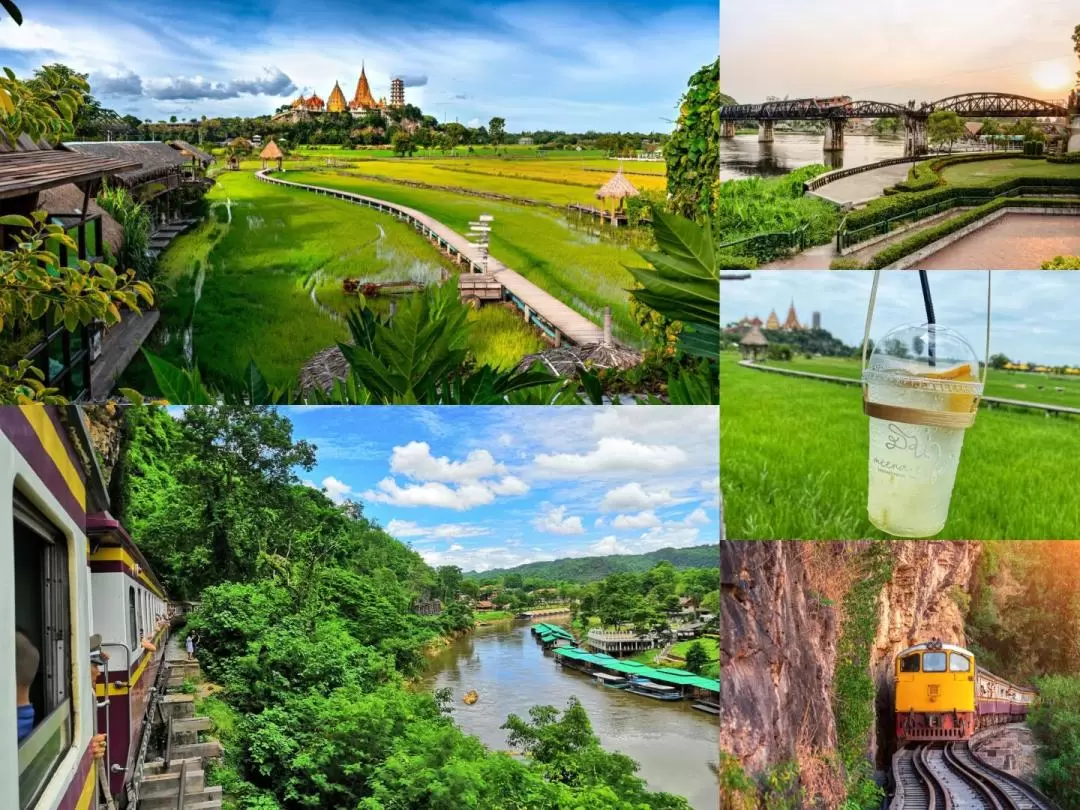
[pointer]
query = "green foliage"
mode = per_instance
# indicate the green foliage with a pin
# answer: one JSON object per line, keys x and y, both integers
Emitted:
{"x": 1068, "y": 157}
{"x": 755, "y": 206}
{"x": 776, "y": 788}
{"x": 692, "y": 152}
{"x": 683, "y": 281}
{"x": 591, "y": 569}
{"x": 853, "y": 686}
{"x": 43, "y": 107}
{"x": 945, "y": 127}
{"x": 1055, "y": 721}
{"x": 1062, "y": 263}
{"x": 135, "y": 220}
{"x": 697, "y": 658}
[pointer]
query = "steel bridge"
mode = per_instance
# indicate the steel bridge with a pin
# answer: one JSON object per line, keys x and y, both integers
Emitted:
{"x": 839, "y": 110}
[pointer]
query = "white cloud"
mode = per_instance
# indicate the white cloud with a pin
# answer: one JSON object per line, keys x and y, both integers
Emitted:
{"x": 609, "y": 545}
{"x": 505, "y": 440}
{"x": 613, "y": 455}
{"x": 598, "y": 523}
{"x": 415, "y": 461}
{"x": 510, "y": 485}
{"x": 554, "y": 521}
{"x": 443, "y": 531}
{"x": 697, "y": 517}
{"x": 642, "y": 520}
{"x": 337, "y": 491}
{"x": 634, "y": 497}
{"x": 432, "y": 493}
{"x": 660, "y": 424}
{"x": 670, "y": 535}
{"x": 484, "y": 558}
{"x": 456, "y": 547}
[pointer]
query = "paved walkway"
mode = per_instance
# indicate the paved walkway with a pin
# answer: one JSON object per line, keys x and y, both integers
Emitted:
{"x": 571, "y": 325}
{"x": 1013, "y": 242}
{"x": 865, "y": 186}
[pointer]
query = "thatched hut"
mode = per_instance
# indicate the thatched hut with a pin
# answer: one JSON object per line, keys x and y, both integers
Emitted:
{"x": 569, "y": 361}
{"x": 617, "y": 189}
{"x": 272, "y": 152}
{"x": 323, "y": 370}
{"x": 200, "y": 160}
{"x": 753, "y": 344}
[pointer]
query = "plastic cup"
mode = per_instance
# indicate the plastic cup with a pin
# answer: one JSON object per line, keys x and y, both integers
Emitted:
{"x": 931, "y": 373}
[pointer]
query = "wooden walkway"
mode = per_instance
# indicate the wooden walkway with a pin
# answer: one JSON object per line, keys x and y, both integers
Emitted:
{"x": 556, "y": 319}
{"x": 118, "y": 346}
{"x": 1048, "y": 409}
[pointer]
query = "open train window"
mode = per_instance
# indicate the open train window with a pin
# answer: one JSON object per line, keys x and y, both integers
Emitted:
{"x": 933, "y": 662}
{"x": 959, "y": 663}
{"x": 910, "y": 663}
{"x": 42, "y": 648}
{"x": 133, "y": 631}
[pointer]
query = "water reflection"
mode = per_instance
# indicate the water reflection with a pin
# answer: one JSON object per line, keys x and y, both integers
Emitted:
{"x": 591, "y": 230}
{"x": 743, "y": 156}
{"x": 675, "y": 745}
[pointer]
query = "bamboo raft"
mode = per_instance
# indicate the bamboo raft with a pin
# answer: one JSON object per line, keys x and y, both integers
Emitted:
{"x": 374, "y": 289}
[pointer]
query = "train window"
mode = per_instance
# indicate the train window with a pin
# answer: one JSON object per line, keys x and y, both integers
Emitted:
{"x": 933, "y": 662}
{"x": 141, "y": 635}
{"x": 42, "y": 648}
{"x": 910, "y": 663}
{"x": 959, "y": 663}
{"x": 133, "y": 631}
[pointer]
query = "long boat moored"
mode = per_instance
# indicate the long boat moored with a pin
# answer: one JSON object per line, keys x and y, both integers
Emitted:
{"x": 658, "y": 691}
{"x": 611, "y": 681}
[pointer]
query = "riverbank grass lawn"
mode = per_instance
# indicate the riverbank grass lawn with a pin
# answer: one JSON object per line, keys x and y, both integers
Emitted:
{"x": 1025, "y": 386}
{"x": 574, "y": 266}
{"x": 488, "y": 616}
{"x": 795, "y": 465}
{"x": 991, "y": 172}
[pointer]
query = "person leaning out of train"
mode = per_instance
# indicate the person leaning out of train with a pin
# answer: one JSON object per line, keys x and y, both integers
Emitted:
{"x": 98, "y": 658}
{"x": 27, "y": 659}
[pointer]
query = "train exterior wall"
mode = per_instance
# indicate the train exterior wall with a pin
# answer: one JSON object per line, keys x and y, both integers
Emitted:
{"x": 36, "y": 459}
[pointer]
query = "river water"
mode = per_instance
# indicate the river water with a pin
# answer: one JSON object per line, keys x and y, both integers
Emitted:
{"x": 676, "y": 746}
{"x": 743, "y": 156}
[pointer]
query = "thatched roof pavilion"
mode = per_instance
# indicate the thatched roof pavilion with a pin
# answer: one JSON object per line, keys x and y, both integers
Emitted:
{"x": 192, "y": 152}
{"x": 160, "y": 163}
{"x": 753, "y": 343}
{"x": 271, "y": 152}
{"x": 28, "y": 167}
{"x": 617, "y": 188}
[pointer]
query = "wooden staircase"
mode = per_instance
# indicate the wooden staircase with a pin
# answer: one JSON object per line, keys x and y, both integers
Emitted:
{"x": 176, "y": 780}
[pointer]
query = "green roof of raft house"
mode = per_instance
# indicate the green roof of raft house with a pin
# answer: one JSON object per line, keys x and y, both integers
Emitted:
{"x": 675, "y": 677}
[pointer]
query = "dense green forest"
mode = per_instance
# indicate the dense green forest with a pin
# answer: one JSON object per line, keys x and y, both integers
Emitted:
{"x": 305, "y": 622}
{"x": 590, "y": 569}
{"x": 1023, "y": 623}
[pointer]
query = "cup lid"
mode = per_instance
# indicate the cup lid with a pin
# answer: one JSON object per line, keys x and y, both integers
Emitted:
{"x": 925, "y": 356}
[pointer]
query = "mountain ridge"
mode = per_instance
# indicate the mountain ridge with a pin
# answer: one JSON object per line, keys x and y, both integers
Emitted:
{"x": 589, "y": 569}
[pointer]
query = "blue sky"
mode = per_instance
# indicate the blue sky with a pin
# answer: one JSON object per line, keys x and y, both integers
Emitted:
{"x": 897, "y": 50}
{"x": 540, "y": 64}
{"x": 489, "y": 487}
{"x": 1035, "y": 315}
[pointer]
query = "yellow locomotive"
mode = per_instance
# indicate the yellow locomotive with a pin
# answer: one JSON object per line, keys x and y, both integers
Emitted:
{"x": 942, "y": 694}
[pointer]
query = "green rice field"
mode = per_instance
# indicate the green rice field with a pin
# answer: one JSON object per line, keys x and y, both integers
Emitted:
{"x": 505, "y": 151}
{"x": 1024, "y": 386}
{"x": 574, "y": 266}
{"x": 793, "y": 465}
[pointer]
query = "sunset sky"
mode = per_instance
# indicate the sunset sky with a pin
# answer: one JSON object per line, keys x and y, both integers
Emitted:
{"x": 896, "y": 50}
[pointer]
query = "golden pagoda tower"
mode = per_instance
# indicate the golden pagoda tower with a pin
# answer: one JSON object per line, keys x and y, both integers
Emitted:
{"x": 773, "y": 322}
{"x": 362, "y": 98}
{"x": 336, "y": 102}
{"x": 792, "y": 323}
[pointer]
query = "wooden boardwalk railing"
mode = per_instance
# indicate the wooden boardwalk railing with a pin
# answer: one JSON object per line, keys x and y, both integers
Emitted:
{"x": 1064, "y": 410}
{"x": 556, "y": 319}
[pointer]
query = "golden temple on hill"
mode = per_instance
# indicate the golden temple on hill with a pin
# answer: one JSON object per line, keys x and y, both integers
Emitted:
{"x": 790, "y": 324}
{"x": 362, "y": 103}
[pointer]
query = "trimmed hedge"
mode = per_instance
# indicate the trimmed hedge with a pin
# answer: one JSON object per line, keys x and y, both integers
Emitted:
{"x": 927, "y": 237}
{"x": 897, "y": 205}
{"x": 1068, "y": 157}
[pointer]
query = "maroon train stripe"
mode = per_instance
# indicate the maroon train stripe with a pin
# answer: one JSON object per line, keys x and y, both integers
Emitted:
{"x": 14, "y": 425}
{"x": 75, "y": 786}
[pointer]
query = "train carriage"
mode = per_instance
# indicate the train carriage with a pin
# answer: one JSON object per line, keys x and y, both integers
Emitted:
{"x": 58, "y": 552}
{"x": 942, "y": 694}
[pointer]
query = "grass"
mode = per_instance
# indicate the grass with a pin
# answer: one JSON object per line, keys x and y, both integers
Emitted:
{"x": 989, "y": 172}
{"x": 493, "y": 616}
{"x": 256, "y": 274}
{"x": 999, "y": 383}
{"x": 507, "y": 150}
{"x": 577, "y": 268}
{"x": 559, "y": 183}
{"x": 794, "y": 466}
{"x": 499, "y": 337}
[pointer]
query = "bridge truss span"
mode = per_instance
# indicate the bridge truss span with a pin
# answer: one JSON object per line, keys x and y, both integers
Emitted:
{"x": 996, "y": 105}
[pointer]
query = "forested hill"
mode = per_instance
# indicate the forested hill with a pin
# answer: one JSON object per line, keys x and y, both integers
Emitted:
{"x": 590, "y": 569}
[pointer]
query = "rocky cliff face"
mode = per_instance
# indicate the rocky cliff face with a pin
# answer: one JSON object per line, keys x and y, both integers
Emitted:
{"x": 922, "y": 601}
{"x": 777, "y": 653}
{"x": 780, "y": 606}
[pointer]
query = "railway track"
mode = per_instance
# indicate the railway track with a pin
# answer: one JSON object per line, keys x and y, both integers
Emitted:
{"x": 948, "y": 776}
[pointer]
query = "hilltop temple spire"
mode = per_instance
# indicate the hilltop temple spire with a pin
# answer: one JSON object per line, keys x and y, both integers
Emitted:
{"x": 362, "y": 98}
{"x": 792, "y": 321}
{"x": 336, "y": 102}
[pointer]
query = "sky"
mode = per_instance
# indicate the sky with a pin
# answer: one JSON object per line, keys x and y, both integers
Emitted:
{"x": 492, "y": 487}
{"x": 540, "y": 64}
{"x": 896, "y": 50}
{"x": 1035, "y": 315}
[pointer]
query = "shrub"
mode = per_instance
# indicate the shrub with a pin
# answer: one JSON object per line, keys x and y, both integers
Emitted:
{"x": 846, "y": 263}
{"x": 1062, "y": 263}
{"x": 1068, "y": 157}
{"x": 134, "y": 218}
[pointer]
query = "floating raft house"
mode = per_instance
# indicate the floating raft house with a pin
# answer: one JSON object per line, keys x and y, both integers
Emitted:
{"x": 550, "y": 633}
{"x": 591, "y": 662}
